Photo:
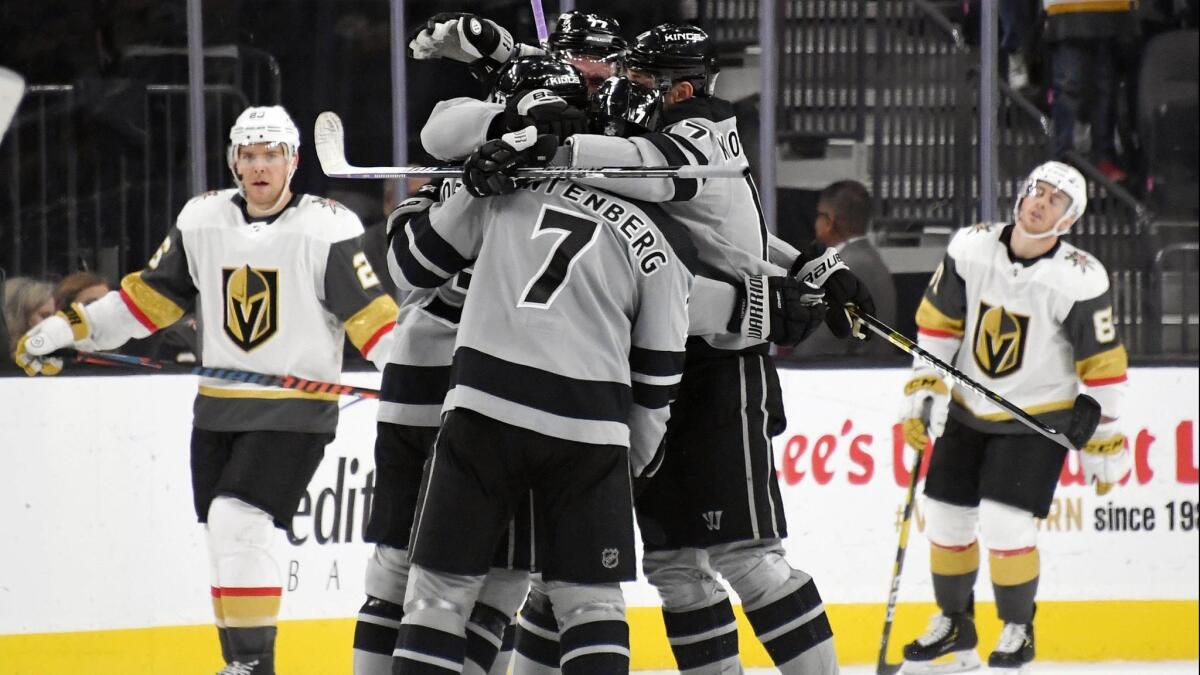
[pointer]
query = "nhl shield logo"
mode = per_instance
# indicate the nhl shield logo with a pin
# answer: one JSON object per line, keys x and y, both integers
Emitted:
{"x": 251, "y": 305}
{"x": 610, "y": 558}
{"x": 1000, "y": 338}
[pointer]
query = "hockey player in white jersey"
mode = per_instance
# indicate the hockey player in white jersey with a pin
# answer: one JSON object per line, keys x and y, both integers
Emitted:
{"x": 278, "y": 279}
{"x": 1029, "y": 316}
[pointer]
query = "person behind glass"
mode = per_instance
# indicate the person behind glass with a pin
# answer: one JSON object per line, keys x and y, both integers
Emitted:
{"x": 27, "y": 302}
{"x": 843, "y": 221}
{"x": 82, "y": 287}
{"x": 1085, "y": 38}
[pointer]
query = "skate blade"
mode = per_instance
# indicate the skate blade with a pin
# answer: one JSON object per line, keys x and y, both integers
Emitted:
{"x": 1025, "y": 669}
{"x": 954, "y": 662}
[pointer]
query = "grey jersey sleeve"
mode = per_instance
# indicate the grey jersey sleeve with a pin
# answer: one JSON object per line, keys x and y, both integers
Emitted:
{"x": 457, "y": 126}
{"x": 437, "y": 244}
{"x": 680, "y": 145}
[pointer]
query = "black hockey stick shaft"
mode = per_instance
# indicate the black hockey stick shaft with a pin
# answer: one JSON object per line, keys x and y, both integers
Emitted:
{"x": 882, "y": 667}
{"x": 1086, "y": 410}
{"x": 231, "y": 374}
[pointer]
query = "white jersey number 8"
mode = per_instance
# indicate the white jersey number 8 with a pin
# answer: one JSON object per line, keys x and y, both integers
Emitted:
{"x": 1102, "y": 320}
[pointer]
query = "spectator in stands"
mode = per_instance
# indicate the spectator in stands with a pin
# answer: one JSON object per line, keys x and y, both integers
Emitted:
{"x": 843, "y": 222}
{"x": 1085, "y": 38}
{"x": 1018, "y": 23}
{"x": 81, "y": 287}
{"x": 27, "y": 302}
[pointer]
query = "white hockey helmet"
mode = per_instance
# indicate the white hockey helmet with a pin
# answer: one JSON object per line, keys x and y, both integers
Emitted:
{"x": 1066, "y": 179}
{"x": 263, "y": 124}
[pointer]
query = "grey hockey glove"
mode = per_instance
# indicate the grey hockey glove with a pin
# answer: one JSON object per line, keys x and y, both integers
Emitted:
{"x": 491, "y": 169}
{"x": 419, "y": 202}
{"x": 783, "y": 310}
{"x": 820, "y": 265}
{"x": 547, "y": 111}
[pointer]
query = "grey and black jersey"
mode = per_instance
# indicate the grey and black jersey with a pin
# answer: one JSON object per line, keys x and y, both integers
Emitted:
{"x": 577, "y": 316}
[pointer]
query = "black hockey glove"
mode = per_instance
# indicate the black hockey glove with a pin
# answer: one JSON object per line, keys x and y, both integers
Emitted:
{"x": 821, "y": 266}
{"x": 783, "y": 310}
{"x": 491, "y": 169}
{"x": 419, "y": 202}
{"x": 547, "y": 111}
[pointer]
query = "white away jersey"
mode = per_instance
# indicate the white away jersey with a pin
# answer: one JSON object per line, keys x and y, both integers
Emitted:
{"x": 274, "y": 296}
{"x": 1031, "y": 331}
{"x": 576, "y": 319}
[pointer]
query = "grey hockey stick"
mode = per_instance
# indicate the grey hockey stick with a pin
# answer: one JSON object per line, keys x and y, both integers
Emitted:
{"x": 330, "y": 138}
{"x": 1085, "y": 415}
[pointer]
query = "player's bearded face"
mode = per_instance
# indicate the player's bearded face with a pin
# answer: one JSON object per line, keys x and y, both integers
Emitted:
{"x": 264, "y": 171}
{"x": 1042, "y": 207}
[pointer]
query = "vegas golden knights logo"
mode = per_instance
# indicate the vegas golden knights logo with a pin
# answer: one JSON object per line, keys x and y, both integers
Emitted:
{"x": 1000, "y": 338}
{"x": 251, "y": 305}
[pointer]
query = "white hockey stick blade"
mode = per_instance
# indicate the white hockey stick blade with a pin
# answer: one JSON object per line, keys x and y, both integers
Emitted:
{"x": 329, "y": 137}
{"x": 12, "y": 88}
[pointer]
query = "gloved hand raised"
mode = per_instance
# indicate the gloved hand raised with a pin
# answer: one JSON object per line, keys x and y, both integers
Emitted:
{"x": 547, "y": 111}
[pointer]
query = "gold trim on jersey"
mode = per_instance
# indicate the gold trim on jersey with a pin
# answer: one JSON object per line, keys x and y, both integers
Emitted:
{"x": 158, "y": 308}
{"x": 1038, "y": 409}
{"x": 250, "y": 611}
{"x": 1000, "y": 337}
{"x": 271, "y": 394}
{"x": 251, "y": 314}
{"x": 1014, "y": 570}
{"x": 950, "y": 562}
{"x": 368, "y": 321}
{"x": 1094, "y": 6}
{"x": 930, "y": 317}
{"x": 1107, "y": 365}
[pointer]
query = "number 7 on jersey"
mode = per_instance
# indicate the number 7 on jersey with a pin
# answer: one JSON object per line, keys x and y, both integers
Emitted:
{"x": 576, "y": 235}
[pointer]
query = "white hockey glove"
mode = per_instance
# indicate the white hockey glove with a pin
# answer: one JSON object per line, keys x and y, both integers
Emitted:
{"x": 57, "y": 332}
{"x": 926, "y": 404}
{"x": 1105, "y": 460}
{"x": 783, "y": 310}
{"x": 467, "y": 38}
{"x": 547, "y": 111}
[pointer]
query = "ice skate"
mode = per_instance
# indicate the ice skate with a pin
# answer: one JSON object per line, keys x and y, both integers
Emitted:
{"x": 948, "y": 646}
{"x": 1014, "y": 651}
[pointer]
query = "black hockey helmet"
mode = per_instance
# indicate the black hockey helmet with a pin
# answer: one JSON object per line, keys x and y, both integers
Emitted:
{"x": 591, "y": 42}
{"x": 587, "y": 32}
{"x": 675, "y": 52}
{"x": 622, "y": 107}
{"x": 522, "y": 75}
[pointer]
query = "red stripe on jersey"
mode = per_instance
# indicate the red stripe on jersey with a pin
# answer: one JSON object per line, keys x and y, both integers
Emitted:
{"x": 137, "y": 313}
{"x": 953, "y": 548}
{"x": 1008, "y": 553}
{"x": 934, "y": 332}
{"x": 216, "y": 591}
{"x": 250, "y": 591}
{"x": 1100, "y": 382}
{"x": 375, "y": 338}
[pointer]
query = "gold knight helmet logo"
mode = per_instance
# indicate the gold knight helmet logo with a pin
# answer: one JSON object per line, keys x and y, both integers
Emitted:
{"x": 251, "y": 305}
{"x": 1000, "y": 338}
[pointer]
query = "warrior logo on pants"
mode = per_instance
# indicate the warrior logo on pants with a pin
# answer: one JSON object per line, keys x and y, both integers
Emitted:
{"x": 1000, "y": 338}
{"x": 251, "y": 301}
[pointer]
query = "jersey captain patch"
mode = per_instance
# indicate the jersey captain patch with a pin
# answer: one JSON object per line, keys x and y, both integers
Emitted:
{"x": 1000, "y": 338}
{"x": 251, "y": 305}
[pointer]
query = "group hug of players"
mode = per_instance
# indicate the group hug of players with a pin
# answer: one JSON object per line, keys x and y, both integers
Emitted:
{"x": 570, "y": 355}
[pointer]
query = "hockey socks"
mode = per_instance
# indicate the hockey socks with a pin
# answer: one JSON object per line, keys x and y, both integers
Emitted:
{"x": 1015, "y": 582}
{"x": 595, "y": 643}
{"x": 704, "y": 640}
{"x": 796, "y": 632}
{"x": 485, "y": 636}
{"x": 535, "y": 644}
{"x": 375, "y": 636}
{"x": 954, "y": 571}
{"x": 430, "y": 642}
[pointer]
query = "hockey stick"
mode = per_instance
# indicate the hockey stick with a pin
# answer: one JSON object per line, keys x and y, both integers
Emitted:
{"x": 882, "y": 667}
{"x": 330, "y": 139}
{"x": 282, "y": 381}
{"x": 1085, "y": 413}
{"x": 539, "y": 22}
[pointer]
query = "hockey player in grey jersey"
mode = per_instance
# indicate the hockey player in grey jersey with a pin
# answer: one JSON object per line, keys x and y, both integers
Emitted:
{"x": 569, "y": 349}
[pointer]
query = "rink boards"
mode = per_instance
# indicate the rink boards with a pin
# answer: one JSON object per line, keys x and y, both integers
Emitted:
{"x": 104, "y": 570}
